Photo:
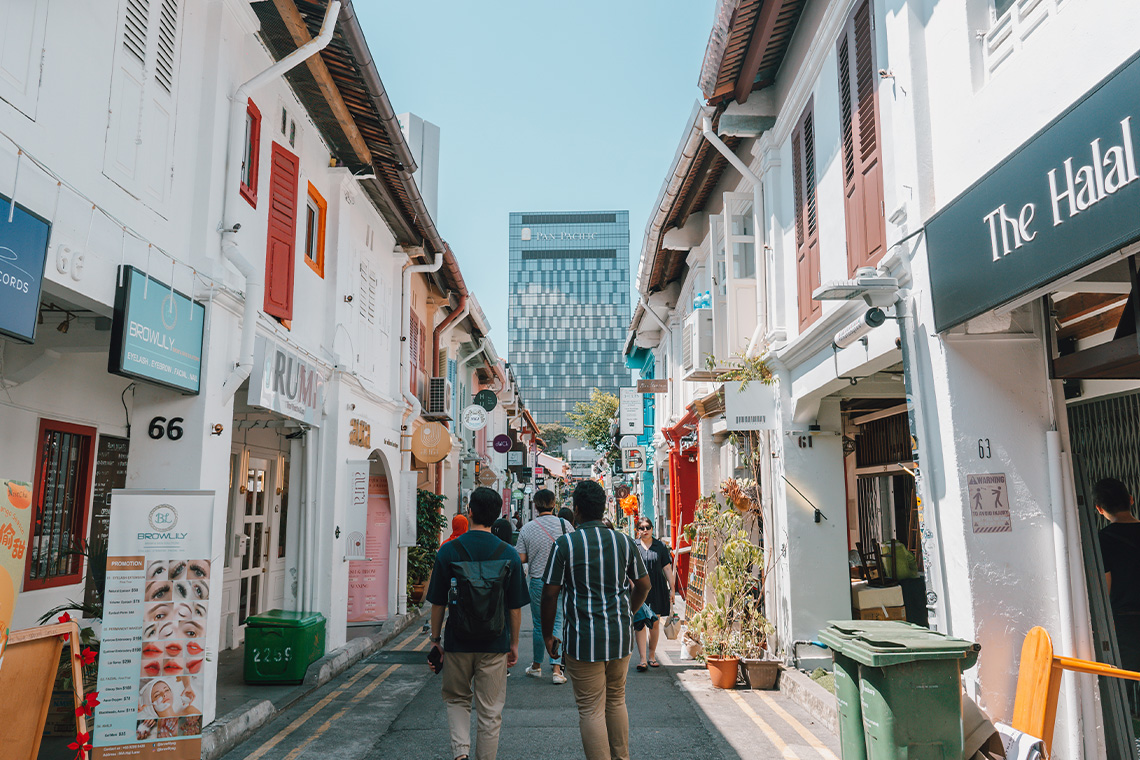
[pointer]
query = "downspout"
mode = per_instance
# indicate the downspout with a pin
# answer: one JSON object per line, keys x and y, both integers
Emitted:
{"x": 757, "y": 206}
{"x": 1064, "y": 588}
{"x": 411, "y": 410}
{"x": 254, "y": 279}
{"x": 455, "y": 317}
{"x": 476, "y": 352}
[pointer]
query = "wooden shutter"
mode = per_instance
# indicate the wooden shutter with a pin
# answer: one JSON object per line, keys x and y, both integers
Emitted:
{"x": 861, "y": 139}
{"x": 415, "y": 348}
{"x": 281, "y": 244}
{"x": 807, "y": 219}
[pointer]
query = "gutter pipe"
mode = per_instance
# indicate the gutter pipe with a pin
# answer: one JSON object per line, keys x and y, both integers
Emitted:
{"x": 463, "y": 308}
{"x": 1064, "y": 588}
{"x": 757, "y": 206}
{"x": 476, "y": 352}
{"x": 254, "y": 278}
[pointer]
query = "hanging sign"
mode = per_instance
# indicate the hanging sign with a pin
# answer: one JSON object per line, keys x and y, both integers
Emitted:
{"x": 368, "y": 578}
{"x": 633, "y": 460}
{"x": 156, "y": 333}
{"x": 356, "y": 517}
{"x": 487, "y": 399}
{"x": 474, "y": 417}
{"x": 431, "y": 442}
{"x": 15, "y": 527}
{"x": 514, "y": 458}
{"x": 406, "y": 527}
{"x": 23, "y": 252}
{"x": 653, "y": 386}
{"x": 156, "y": 677}
{"x": 753, "y": 408}
{"x": 487, "y": 477}
{"x": 502, "y": 443}
{"x": 110, "y": 473}
{"x": 631, "y": 412}
{"x": 283, "y": 382}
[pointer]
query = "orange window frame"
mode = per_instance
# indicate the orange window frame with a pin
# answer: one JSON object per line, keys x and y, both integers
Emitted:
{"x": 249, "y": 192}
{"x": 318, "y": 264}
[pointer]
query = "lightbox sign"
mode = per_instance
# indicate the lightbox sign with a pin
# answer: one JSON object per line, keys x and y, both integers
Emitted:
{"x": 1062, "y": 200}
{"x": 23, "y": 251}
{"x": 283, "y": 382}
{"x": 156, "y": 334}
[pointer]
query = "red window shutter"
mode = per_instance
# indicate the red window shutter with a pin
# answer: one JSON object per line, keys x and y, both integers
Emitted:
{"x": 281, "y": 244}
{"x": 861, "y": 140}
{"x": 807, "y": 218}
{"x": 414, "y": 353}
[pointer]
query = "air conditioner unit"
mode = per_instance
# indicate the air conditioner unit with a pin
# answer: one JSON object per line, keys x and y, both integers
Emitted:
{"x": 439, "y": 398}
{"x": 696, "y": 345}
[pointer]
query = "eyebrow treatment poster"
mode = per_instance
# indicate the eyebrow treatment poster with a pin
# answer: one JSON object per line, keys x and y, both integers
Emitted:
{"x": 153, "y": 655}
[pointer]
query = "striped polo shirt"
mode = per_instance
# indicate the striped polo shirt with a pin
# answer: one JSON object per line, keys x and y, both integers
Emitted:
{"x": 594, "y": 566}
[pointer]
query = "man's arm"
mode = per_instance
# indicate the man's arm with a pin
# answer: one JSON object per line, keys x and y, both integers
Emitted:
{"x": 516, "y": 622}
{"x": 637, "y": 596}
{"x": 1108, "y": 582}
{"x": 436, "y": 629}
{"x": 550, "y": 594}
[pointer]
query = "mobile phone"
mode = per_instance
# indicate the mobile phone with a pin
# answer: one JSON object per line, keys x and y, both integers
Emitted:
{"x": 435, "y": 659}
{"x": 555, "y": 649}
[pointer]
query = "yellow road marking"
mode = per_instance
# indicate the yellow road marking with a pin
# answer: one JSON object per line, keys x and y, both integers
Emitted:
{"x": 293, "y": 755}
{"x": 422, "y": 645}
{"x": 405, "y": 642}
{"x": 798, "y": 727}
{"x": 770, "y": 732}
{"x": 280, "y": 736}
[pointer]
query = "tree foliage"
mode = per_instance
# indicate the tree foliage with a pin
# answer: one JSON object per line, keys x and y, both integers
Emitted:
{"x": 554, "y": 435}
{"x": 591, "y": 420}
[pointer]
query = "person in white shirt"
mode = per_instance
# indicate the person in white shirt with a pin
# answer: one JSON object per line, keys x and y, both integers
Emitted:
{"x": 535, "y": 540}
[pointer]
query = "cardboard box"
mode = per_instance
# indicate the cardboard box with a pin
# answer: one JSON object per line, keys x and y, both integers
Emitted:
{"x": 882, "y": 613}
{"x": 864, "y": 597}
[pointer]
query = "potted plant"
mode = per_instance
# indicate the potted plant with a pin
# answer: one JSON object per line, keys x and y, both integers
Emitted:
{"x": 421, "y": 557}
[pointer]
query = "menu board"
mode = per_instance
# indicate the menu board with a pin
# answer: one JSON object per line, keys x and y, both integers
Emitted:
{"x": 153, "y": 655}
{"x": 110, "y": 473}
{"x": 15, "y": 521}
{"x": 368, "y": 579}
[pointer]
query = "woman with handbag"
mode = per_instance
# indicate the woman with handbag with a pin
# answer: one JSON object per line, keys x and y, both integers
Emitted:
{"x": 659, "y": 562}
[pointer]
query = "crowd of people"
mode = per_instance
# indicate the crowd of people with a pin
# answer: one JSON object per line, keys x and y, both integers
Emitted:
{"x": 593, "y": 593}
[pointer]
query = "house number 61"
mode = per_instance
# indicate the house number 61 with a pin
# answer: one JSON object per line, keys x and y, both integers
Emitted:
{"x": 984, "y": 448}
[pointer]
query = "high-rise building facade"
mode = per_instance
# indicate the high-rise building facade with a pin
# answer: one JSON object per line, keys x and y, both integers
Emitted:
{"x": 569, "y": 307}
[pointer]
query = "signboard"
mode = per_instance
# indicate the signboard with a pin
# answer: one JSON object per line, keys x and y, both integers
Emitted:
{"x": 621, "y": 491}
{"x": 474, "y": 417}
{"x": 359, "y": 433}
{"x": 1062, "y": 200}
{"x": 539, "y": 471}
{"x": 368, "y": 578}
{"x": 283, "y": 382}
{"x": 23, "y": 252}
{"x": 15, "y": 528}
{"x": 155, "y": 673}
{"x": 627, "y": 442}
{"x": 356, "y": 516}
{"x": 487, "y": 399}
{"x": 989, "y": 503}
{"x": 487, "y": 477}
{"x": 431, "y": 442}
{"x": 514, "y": 458}
{"x": 631, "y": 412}
{"x": 502, "y": 443}
{"x": 409, "y": 483}
{"x": 110, "y": 473}
{"x": 156, "y": 333}
{"x": 653, "y": 386}
{"x": 633, "y": 460}
{"x": 753, "y": 408}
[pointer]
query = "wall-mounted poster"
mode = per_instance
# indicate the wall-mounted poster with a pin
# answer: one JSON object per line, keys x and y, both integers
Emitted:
{"x": 110, "y": 473}
{"x": 153, "y": 658}
{"x": 15, "y": 522}
{"x": 368, "y": 578}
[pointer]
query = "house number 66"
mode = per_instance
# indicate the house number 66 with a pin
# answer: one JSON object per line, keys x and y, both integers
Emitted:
{"x": 172, "y": 429}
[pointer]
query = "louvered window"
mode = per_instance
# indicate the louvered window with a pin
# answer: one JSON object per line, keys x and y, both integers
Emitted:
{"x": 167, "y": 30}
{"x": 415, "y": 353}
{"x": 807, "y": 220}
{"x": 366, "y": 297}
{"x": 135, "y": 27}
{"x": 282, "y": 239}
{"x": 861, "y": 140}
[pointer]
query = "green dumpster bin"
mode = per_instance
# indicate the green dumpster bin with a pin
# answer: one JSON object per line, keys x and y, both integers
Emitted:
{"x": 837, "y": 636}
{"x": 280, "y": 645}
{"x": 910, "y": 690}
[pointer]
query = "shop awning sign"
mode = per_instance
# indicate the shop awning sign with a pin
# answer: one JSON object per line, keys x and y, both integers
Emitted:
{"x": 285, "y": 383}
{"x": 23, "y": 251}
{"x": 1064, "y": 199}
{"x": 156, "y": 333}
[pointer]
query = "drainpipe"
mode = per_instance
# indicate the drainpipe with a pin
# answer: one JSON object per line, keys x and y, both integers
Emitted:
{"x": 757, "y": 206}
{"x": 254, "y": 278}
{"x": 454, "y": 318}
{"x": 1064, "y": 588}
{"x": 476, "y": 352}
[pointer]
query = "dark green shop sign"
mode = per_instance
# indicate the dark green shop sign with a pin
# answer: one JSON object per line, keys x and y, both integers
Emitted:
{"x": 1062, "y": 200}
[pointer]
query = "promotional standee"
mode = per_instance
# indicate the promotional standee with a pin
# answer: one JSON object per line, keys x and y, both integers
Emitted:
{"x": 156, "y": 602}
{"x": 15, "y": 522}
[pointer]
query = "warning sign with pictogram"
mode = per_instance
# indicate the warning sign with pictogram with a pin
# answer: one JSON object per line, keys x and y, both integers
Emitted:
{"x": 989, "y": 503}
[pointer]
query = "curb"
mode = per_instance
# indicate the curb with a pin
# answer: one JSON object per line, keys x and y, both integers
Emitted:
{"x": 239, "y": 724}
{"x": 816, "y": 700}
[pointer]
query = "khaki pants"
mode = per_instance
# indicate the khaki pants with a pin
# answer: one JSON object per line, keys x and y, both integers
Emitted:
{"x": 488, "y": 673}
{"x": 599, "y": 690}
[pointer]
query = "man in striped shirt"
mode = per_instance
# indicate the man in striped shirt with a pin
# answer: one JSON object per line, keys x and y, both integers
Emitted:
{"x": 602, "y": 578}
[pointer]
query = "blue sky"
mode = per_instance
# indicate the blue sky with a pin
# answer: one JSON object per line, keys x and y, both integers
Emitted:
{"x": 542, "y": 106}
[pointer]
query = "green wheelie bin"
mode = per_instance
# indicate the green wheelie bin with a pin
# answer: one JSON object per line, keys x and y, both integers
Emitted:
{"x": 837, "y": 636}
{"x": 281, "y": 644}
{"x": 910, "y": 691}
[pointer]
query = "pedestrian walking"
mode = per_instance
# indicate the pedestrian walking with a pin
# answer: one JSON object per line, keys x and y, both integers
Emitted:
{"x": 458, "y": 527}
{"x": 1120, "y": 550}
{"x": 592, "y": 568}
{"x": 504, "y": 530}
{"x": 478, "y": 580}
{"x": 567, "y": 514}
{"x": 535, "y": 540}
{"x": 659, "y": 562}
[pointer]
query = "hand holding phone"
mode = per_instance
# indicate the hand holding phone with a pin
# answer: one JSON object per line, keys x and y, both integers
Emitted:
{"x": 435, "y": 659}
{"x": 555, "y": 649}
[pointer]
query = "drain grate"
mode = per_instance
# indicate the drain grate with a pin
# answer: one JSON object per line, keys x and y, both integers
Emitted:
{"x": 398, "y": 658}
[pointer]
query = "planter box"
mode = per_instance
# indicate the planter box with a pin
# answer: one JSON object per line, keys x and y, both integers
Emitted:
{"x": 760, "y": 674}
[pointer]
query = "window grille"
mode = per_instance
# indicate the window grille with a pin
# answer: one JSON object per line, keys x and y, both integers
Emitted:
{"x": 62, "y": 487}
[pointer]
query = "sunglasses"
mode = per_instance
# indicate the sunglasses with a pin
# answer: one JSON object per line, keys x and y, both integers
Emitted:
{"x": 645, "y": 527}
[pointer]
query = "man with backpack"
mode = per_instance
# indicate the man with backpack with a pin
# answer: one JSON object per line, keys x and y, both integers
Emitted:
{"x": 535, "y": 540}
{"x": 478, "y": 580}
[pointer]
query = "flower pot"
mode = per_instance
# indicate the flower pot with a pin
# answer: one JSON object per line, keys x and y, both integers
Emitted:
{"x": 760, "y": 674}
{"x": 722, "y": 671}
{"x": 418, "y": 590}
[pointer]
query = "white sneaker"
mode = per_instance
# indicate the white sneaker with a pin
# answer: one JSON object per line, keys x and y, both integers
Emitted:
{"x": 558, "y": 678}
{"x": 534, "y": 672}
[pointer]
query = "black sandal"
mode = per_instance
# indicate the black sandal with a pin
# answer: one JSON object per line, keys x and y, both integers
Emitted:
{"x": 641, "y": 668}
{"x": 654, "y": 664}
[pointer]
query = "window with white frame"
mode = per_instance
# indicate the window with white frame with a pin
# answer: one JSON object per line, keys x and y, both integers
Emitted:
{"x": 1012, "y": 23}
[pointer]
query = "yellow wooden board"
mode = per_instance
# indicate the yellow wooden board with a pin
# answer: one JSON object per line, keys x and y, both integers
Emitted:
{"x": 26, "y": 681}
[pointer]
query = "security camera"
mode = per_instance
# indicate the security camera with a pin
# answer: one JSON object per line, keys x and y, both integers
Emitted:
{"x": 860, "y": 328}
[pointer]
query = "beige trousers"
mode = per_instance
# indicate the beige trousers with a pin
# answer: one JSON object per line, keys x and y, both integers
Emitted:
{"x": 599, "y": 690}
{"x": 487, "y": 673}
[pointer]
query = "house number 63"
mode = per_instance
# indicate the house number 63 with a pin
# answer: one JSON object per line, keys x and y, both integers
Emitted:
{"x": 984, "y": 449}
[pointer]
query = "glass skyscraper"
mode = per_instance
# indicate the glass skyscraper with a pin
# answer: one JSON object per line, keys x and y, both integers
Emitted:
{"x": 569, "y": 307}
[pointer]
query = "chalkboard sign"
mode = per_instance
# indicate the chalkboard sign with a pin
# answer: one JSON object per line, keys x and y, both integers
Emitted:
{"x": 110, "y": 473}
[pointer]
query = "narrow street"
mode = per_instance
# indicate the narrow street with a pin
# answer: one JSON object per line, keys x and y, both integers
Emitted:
{"x": 388, "y": 706}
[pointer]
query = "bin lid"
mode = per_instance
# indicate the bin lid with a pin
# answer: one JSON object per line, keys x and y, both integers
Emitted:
{"x": 881, "y": 643}
{"x": 284, "y": 619}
